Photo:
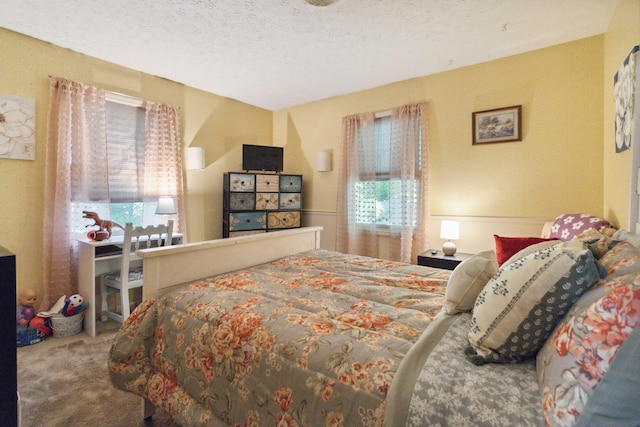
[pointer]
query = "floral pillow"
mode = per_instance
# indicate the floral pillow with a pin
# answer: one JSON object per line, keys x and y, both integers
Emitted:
{"x": 569, "y": 226}
{"x": 576, "y": 357}
{"x": 622, "y": 258}
{"x": 521, "y": 305}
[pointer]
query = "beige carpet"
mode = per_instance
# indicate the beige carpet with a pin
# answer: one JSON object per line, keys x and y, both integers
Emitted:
{"x": 64, "y": 382}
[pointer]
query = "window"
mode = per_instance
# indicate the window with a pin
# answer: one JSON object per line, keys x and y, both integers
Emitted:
{"x": 378, "y": 193}
{"x": 125, "y": 152}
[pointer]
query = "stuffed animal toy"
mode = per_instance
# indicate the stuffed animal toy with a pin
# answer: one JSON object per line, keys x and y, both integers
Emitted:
{"x": 40, "y": 324}
{"x": 75, "y": 304}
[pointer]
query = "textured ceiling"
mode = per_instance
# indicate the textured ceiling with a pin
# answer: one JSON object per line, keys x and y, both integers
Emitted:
{"x": 281, "y": 53}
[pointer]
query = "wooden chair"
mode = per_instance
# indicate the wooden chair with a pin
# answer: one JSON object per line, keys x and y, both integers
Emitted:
{"x": 127, "y": 278}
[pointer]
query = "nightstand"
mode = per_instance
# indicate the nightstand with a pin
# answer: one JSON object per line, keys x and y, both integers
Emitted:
{"x": 440, "y": 260}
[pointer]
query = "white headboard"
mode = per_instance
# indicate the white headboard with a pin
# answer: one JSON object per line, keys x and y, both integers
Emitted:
{"x": 170, "y": 266}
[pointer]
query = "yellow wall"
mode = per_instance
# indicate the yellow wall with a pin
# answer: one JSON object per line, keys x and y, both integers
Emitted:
{"x": 556, "y": 168}
{"x": 561, "y": 165}
{"x": 623, "y": 33}
{"x": 218, "y": 124}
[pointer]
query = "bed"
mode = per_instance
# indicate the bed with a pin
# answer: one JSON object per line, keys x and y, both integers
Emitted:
{"x": 300, "y": 337}
{"x": 272, "y": 330}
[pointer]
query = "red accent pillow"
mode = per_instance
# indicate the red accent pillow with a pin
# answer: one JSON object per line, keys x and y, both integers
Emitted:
{"x": 506, "y": 247}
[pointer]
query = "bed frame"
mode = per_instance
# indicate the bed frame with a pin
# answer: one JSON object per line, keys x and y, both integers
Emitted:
{"x": 170, "y": 266}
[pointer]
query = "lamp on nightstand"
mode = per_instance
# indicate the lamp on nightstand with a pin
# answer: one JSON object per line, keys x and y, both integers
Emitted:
{"x": 166, "y": 206}
{"x": 449, "y": 230}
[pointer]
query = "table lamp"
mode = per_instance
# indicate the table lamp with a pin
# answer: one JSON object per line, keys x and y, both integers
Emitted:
{"x": 449, "y": 231}
{"x": 166, "y": 206}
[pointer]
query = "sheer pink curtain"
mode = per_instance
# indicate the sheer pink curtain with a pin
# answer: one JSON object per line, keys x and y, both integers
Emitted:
{"x": 73, "y": 171}
{"x": 351, "y": 236}
{"x": 163, "y": 156}
{"x": 76, "y": 172}
{"x": 408, "y": 234}
{"x": 402, "y": 161}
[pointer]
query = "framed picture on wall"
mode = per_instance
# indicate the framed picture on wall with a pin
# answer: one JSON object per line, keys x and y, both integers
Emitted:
{"x": 499, "y": 125}
{"x": 17, "y": 127}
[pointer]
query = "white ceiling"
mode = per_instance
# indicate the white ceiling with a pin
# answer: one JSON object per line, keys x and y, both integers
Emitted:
{"x": 281, "y": 53}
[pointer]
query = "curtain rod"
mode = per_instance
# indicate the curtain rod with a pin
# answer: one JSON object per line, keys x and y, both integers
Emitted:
{"x": 119, "y": 97}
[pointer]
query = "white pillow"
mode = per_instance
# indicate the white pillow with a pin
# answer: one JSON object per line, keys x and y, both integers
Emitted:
{"x": 467, "y": 280}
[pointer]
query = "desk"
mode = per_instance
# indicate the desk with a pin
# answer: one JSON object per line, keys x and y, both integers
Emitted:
{"x": 94, "y": 259}
{"x": 440, "y": 260}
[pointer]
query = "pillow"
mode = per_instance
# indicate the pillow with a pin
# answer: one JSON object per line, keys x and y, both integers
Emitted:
{"x": 568, "y": 226}
{"x": 626, "y": 236}
{"x": 467, "y": 280}
{"x": 621, "y": 258}
{"x": 506, "y": 247}
{"x": 582, "y": 350}
{"x": 531, "y": 249}
{"x": 520, "y": 306}
{"x": 615, "y": 400}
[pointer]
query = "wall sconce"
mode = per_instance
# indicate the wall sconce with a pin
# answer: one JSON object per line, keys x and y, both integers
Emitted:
{"x": 323, "y": 161}
{"x": 195, "y": 158}
{"x": 449, "y": 230}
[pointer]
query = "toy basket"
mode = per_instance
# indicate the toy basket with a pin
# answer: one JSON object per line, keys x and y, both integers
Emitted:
{"x": 63, "y": 326}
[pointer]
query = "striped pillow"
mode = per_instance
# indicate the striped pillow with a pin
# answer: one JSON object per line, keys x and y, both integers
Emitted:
{"x": 520, "y": 306}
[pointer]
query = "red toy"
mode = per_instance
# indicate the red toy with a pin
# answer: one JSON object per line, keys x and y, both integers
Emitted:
{"x": 39, "y": 324}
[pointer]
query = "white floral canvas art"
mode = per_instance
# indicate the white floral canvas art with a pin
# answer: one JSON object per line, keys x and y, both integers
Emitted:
{"x": 624, "y": 91}
{"x": 17, "y": 127}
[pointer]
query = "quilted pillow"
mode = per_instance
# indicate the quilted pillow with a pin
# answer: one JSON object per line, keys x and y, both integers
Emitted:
{"x": 520, "y": 306}
{"x": 579, "y": 353}
{"x": 568, "y": 226}
{"x": 506, "y": 247}
{"x": 467, "y": 280}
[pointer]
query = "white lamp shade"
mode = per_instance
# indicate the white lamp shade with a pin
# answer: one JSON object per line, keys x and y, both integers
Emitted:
{"x": 166, "y": 206}
{"x": 449, "y": 230}
{"x": 195, "y": 158}
{"x": 323, "y": 161}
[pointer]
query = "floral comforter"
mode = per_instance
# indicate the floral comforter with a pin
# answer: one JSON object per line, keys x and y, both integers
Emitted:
{"x": 312, "y": 339}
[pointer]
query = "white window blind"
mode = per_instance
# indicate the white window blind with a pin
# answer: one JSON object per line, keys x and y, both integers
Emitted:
{"x": 380, "y": 192}
{"x": 125, "y": 152}
{"x": 125, "y": 142}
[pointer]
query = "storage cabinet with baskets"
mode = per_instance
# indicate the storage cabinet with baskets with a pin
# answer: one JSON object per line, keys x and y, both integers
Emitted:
{"x": 258, "y": 202}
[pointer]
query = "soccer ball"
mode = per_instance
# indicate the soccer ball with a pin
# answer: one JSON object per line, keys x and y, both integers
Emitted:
{"x": 75, "y": 300}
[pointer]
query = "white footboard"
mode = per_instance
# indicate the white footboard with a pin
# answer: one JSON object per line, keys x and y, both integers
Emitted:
{"x": 170, "y": 266}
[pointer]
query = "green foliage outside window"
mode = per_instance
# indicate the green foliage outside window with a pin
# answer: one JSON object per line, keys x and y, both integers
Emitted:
{"x": 123, "y": 213}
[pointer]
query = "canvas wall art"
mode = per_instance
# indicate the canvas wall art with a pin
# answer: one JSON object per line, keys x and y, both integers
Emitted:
{"x": 624, "y": 91}
{"x": 17, "y": 127}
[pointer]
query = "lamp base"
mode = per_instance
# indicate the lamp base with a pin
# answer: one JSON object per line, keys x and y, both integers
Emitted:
{"x": 449, "y": 248}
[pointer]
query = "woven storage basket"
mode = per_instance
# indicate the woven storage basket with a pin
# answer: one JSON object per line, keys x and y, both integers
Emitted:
{"x": 63, "y": 326}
